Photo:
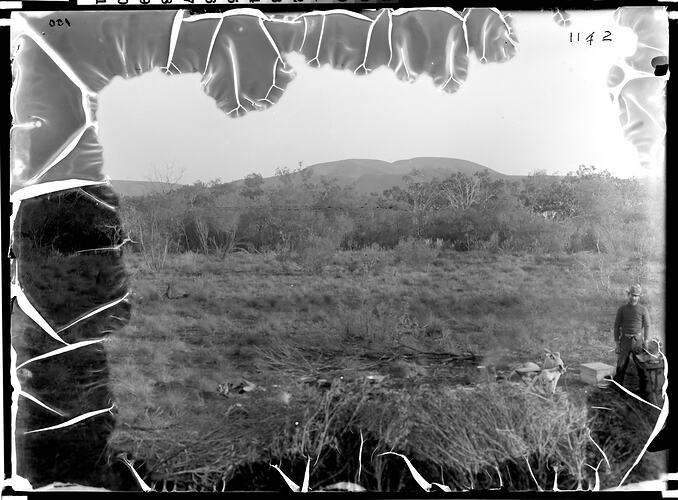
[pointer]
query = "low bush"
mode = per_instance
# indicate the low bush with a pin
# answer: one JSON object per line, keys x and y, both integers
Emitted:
{"x": 415, "y": 253}
{"x": 316, "y": 253}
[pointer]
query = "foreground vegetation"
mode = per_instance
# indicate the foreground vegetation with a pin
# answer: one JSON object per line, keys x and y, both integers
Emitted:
{"x": 285, "y": 330}
{"x": 304, "y": 320}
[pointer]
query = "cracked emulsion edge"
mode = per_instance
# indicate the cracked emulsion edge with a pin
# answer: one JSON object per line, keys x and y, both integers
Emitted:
{"x": 19, "y": 483}
{"x": 32, "y": 188}
{"x": 630, "y": 74}
{"x": 86, "y": 94}
{"x": 661, "y": 420}
{"x": 174, "y": 36}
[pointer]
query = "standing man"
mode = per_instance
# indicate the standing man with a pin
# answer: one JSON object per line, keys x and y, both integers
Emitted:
{"x": 631, "y": 330}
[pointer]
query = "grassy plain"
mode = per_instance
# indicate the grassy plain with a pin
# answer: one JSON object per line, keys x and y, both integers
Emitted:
{"x": 306, "y": 339}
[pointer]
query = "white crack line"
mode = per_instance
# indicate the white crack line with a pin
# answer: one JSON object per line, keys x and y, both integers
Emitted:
{"x": 660, "y": 126}
{"x": 236, "y": 82}
{"x": 320, "y": 41}
{"x": 360, "y": 456}
{"x": 464, "y": 28}
{"x": 98, "y": 200}
{"x": 120, "y": 45}
{"x": 269, "y": 37}
{"x": 61, "y": 350}
{"x": 174, "y": 36}
{"x": 539, "y": 488}
{"x": 14, "y": 408}
{"x": 403, "y": 60}
{"x": 634, "y": 395}
{"x": 450, "y": 67}
{"x": 663, "y": 415}
{"x": 35, "y": 190}
{"x": 561, "y": 19}
{"x": 483, "y": 31}
{"x": 27, "y": 307}
{"x": 390, "y": 37}
{"x": 94, "y": 312}
{"x": 144, "y": 487}
{"x": 212, "y": 42}
{"x": 168, "y": 71}
{"x": 275, "y": 65}
{"x": 509, "y": 31}
{"x": 255, "y": 105}
{"x": 40, "y": 403}
{"x": 661, "y": 51}
{"x": 447, "y": 10}
{"x": 600, "y": 450}
{"x": 231, "y": 13}
{"x": 34, "y": 123}
{"x": 206, "y": 80}
{"x": 367, "y": 42}
{"x": 42, "y": 189}
{"x": 421, "y": 481}
{"x": 12, "y": 91}
{"x": 72, "y": 421}
{"x": 324, "y": 13}
{"x": 303, "y": 39}
{"x": 65, "y": 151}
{"x": 596, "y": 486}
{"x": 555, "y": 478}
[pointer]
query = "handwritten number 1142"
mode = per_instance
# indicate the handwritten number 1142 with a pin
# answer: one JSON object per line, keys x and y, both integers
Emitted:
{"x": 577, "y": 37}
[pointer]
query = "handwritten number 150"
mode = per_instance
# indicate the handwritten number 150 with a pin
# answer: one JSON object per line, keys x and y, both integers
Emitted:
{"x": 59, "y": 22}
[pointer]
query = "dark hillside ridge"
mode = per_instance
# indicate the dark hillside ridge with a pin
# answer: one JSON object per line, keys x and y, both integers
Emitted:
{"x": 139, "y": 188}
{"x": 368, "y": 176}
{"x": 375, "y": 176}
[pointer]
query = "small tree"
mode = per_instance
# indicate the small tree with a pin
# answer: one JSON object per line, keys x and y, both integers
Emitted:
{"x": 252, "y": 188}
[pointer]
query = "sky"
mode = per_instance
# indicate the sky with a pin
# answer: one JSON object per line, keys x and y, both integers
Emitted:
{"x": 548, "y": 109}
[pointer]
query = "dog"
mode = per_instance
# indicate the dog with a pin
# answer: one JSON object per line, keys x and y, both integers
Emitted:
{"x": 547, "y": 379}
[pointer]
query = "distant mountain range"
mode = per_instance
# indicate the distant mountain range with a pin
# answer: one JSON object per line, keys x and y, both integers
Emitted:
{"x": 368, "y": 176}
{"x": 138, "y": 188}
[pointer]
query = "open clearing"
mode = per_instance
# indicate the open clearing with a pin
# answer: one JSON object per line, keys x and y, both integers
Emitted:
{"x": 287, "y": 343}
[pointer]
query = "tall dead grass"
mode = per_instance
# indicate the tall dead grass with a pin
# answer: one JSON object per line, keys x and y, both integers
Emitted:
{"x": 468, "y": 435}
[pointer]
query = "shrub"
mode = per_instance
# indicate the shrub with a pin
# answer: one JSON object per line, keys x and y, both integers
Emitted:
{"x": 415, "y": 252}
{"x": 317, "y": 253}
{"x": 371, "y": 259}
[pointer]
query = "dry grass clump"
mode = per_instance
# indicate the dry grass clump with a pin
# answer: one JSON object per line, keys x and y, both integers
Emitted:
{"x": 415, "y": 253}
{"x": 495, "y": 430}
{"x": 317, "y": 253}
{"x": 472, "y": 436}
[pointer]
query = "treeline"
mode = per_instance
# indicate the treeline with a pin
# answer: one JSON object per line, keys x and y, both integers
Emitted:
{"x": 586, "y": 210}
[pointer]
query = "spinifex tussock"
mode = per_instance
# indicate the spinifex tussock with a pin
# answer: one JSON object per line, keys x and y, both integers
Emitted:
{"x": 472, "y": 435}
{"x": 486, "y": 436}
{"x": 473, "y": 432}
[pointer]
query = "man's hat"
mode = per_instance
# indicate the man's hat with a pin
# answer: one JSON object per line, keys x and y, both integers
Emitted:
{"x": 634, "y": 290}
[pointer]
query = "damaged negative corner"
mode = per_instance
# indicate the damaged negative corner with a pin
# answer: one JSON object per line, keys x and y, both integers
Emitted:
{"x": 635, "y": 86}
